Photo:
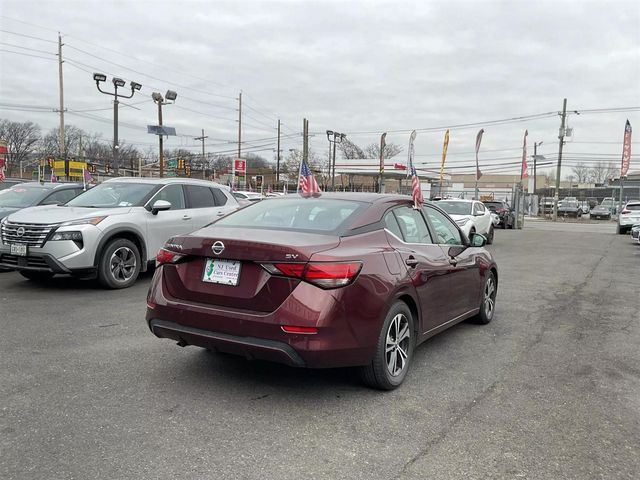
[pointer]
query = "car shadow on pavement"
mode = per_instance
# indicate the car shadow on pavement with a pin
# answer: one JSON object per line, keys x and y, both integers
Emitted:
{"x": 66, "y": 282}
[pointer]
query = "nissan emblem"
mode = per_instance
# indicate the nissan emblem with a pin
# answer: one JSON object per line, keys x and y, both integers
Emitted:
{"x": 217, "y": 247}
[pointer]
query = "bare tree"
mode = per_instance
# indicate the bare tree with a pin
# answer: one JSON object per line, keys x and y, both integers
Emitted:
{"x": 22, "y": 139}
{"x": 581, "y": 172}
{"x": 602, "y": 171}
{"x": 73, "y": 142}
{"x": 350, "y": 150}
{"x": 390, "y": 150}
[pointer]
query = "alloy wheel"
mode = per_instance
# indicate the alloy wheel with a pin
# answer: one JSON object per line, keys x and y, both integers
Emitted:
{"x": 397, "y": 344}
{"x": 489, "y": 297}
{"x": 122, "y": 264}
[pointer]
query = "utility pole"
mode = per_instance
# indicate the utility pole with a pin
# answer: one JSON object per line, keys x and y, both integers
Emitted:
{"x": 535, "y": 164}
{"x": 559, "y": 169}
{"x": 203, "y": 156}
{"x": 240, "y": 125}
{"x": 61, "y": 86}
{"x": 278, "y": 157}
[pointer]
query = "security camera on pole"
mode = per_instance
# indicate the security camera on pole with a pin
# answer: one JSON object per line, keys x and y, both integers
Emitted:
{"x": 117, "y": 82}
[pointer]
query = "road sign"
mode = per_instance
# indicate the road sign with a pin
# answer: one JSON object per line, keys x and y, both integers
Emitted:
{"x": 172, "y": 163}
{"x": 161, "y": 130}
{"x": 240, "y": 165}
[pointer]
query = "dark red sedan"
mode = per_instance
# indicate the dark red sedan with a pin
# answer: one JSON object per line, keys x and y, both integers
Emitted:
{"x": 334, "y": 281}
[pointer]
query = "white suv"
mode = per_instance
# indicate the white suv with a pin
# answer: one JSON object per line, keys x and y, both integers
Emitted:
{"x": 113, "y": 231}
{"x": 470, "y": 215}
{"x": 629, "y": 216}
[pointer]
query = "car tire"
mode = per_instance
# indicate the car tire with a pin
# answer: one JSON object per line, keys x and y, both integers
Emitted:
{"x": 383, "y": 372}
{"x": 488, "y": 300}
{"x": 490, "y": 236}
{"x": 36, "y": 276}
{"x": 119, "y": 264}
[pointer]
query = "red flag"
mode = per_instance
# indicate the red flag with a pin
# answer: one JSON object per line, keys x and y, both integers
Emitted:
{"x": 478, "y": 140}
{"x": 307, "y": 184}
{"x": 524, "y": 172}
{"x": 626, "y": 150}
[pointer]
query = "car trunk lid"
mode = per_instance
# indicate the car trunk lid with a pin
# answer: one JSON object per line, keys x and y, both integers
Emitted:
{"x": 243, "y": 251}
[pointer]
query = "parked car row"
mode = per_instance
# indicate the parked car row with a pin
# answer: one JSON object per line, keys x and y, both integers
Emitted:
{"x": 629, "y": 216}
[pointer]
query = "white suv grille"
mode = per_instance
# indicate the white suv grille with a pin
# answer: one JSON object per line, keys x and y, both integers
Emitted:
{"x": 33, "y": 234}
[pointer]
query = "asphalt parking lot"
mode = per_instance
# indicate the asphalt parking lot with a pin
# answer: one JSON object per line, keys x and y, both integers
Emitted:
{"x": 549, "y": 390}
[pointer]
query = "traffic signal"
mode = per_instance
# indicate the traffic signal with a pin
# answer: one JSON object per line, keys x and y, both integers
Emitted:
{"x": 106, "y": 167}
{"x": 51, "y": 162}
{"x": 187, "y": 170}
{"x": 180, "y": 164}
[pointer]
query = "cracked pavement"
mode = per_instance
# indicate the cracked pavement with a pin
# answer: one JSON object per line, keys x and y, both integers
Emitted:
{"x": 549, "y": 390}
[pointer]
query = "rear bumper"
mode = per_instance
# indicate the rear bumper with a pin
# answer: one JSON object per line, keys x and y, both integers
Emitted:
{"x": 249, "y": 347}
{"x": 347, "y": 335}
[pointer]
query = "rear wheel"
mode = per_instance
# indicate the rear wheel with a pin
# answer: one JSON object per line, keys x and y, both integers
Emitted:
{"x": 36, "y": 276}
{"x": 119, "y": 264}
{"x": 394, "y": 351}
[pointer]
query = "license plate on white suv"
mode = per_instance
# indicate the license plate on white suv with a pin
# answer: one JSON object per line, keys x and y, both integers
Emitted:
{"x": 19, "y": 249}
{"x": 226, "y": 272}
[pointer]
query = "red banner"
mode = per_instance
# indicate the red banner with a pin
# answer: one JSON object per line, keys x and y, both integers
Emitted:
{"x": 240, "y": 165}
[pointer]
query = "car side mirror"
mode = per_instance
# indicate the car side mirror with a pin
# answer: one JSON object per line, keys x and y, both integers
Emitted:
{"x": 160, "y": 205}
{"x": 478, "y": 240}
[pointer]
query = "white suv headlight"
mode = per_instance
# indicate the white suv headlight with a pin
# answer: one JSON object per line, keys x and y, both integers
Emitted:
{"x": 75, "y": 236}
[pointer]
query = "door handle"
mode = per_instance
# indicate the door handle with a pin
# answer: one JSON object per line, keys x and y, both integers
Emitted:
{"x": 186, "y": 217}
{"x": 411, "y": 262}
{"x": 220, "y": 214}
{"x": 453, "y": 261}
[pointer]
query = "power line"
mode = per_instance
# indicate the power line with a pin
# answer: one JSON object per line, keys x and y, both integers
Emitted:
{"x": 28, "y": 36}
{"x": 26, "y": 48}
{"x": 26, "y": 54}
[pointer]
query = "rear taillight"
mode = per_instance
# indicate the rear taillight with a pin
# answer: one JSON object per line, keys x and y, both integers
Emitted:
{"x": 322, "y": 274}
{"x": 297, "y": 329}
{"x": 167, "y": 256}
{"x": 625, "y": 211}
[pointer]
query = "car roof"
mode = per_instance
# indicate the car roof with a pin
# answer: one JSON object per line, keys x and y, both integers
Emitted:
{"x": 48, "y": 185}
{"x": 165, "y": 181}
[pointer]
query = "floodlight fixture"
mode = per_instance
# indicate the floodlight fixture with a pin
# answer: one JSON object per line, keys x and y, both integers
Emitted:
{"x": 157, "y": 97}
{"x": 118, "y": 82}
{"x": 99, "y": 77}
{"x": 329, "y": 134}
{"x": 171, "y": 95}
{"x": 135, "y": 86}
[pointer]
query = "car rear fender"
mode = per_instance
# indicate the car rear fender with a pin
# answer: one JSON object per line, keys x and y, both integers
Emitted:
{"x": 129, "y": 234}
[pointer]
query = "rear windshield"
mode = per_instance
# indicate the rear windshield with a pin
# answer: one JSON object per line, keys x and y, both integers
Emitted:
{"x": 493, "y": 205}
{"x": 456, "y": 208}
{"x": 297, "y": 214}
{"x": 635, "y": 206}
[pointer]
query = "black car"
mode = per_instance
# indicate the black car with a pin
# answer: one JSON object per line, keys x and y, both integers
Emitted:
{"x": 569, "y": 208}
{"x": 30, "y": 194}
{"x": 504, "y": 212}
{"x": 600, "y": 212}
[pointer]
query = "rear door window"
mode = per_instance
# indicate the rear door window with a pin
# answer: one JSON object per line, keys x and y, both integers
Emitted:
{"x": 200, "y": 197}
{"x": 219, "y": 197}
{"x": 391, "y": 224}
{"x": 412, "y": 225}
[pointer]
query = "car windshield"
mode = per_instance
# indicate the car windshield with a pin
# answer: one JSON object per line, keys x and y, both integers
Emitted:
{"x": 493, "y": 205}
{"x": 298, "y": 214}
{"x": 456, "y": 208}
{"x": 113, "y": 194}
{"x": 21, "y": 197}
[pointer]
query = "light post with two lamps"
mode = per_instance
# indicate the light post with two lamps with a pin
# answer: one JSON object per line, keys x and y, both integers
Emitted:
{"x": 117, "y": 82}
{"x": 169, "y": 97}
{"x": 337, "y": 138}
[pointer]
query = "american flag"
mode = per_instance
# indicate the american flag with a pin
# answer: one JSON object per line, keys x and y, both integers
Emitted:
{"x": 307, "y": 184}
{"x": 416, "y": 191}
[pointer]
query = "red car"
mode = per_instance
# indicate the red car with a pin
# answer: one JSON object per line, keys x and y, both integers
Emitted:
{"x": 344, "y": 279}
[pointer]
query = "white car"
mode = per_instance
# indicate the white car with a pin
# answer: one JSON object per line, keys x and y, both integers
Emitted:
{"x": 113, "y": 231}
{"x": 250, "y": 196}
{"x": 629, "y": 216}
{"x": 470, "y": 215}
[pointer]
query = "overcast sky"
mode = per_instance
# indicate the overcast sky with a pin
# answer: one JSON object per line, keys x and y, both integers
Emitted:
{"x": 347, "y": 66}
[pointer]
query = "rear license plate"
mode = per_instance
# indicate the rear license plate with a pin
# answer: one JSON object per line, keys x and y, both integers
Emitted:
{"x": 19, "y": 249}
{"x": 226, "y": 272}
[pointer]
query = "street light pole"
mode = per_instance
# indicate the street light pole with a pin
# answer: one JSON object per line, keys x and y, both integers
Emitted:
{"x": 337, "y": 138}
{"x": 559, "y": 170}
{"x": 157, "y": 97}
{"x": 535, "y": 164}
{"x": 117, "y": 82}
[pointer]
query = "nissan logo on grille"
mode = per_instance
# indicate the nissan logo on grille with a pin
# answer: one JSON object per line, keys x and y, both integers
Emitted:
{"x": 20, "y": 231}
{"x": 217, "y": 247}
